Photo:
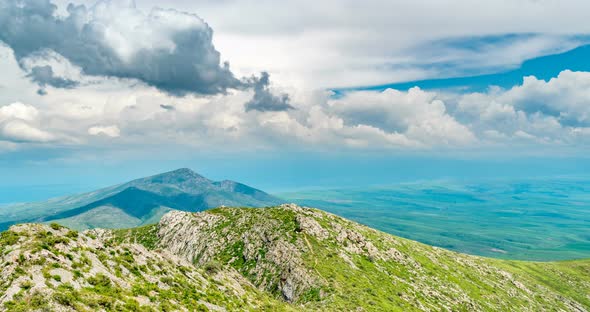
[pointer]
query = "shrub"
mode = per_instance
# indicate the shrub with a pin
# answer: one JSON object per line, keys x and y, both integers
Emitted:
{"x": 72, "y": 234}
{"x": 212, "y": 267}
{"x": 26, "y": 285}
{"x": 100, "y": 280}
{"x": 8, "y": 238}
{"x": 65, "y": 298}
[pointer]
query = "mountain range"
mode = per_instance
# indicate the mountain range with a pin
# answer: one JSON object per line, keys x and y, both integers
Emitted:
{"x": 284, "y": 258}
{"x": 172, "y": 243}
{"x": 139, "y": 202}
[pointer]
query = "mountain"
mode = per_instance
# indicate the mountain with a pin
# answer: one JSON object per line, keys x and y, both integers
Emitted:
{"x": 139, "y": 202}
{"x": 285, "y": 258}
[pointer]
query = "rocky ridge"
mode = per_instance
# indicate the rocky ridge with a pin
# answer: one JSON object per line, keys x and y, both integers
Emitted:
{"x": 52, "y": 268}
{"x": 269, "y": 259}
{"x": 306, "y": 256}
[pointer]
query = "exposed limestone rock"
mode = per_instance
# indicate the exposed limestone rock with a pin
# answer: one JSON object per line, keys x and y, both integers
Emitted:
{"x": 281, "y": 249}
{"x": 312, "y": 227}
{"x": 52, "y": 266}
{"x": 286, "y": 258}
{"x": 273, "y": 262}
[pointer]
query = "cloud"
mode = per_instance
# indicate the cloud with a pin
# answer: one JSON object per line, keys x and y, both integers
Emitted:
{"x": 536, "y": 115}
{"x": 167, "y": 107}
{"x": 110, "y": 131}
{"x": 337, "y": 43}
{"x": 17, "y": 124}
{"x": 18, "y": 110}
{"x": 264, "y": 100}
{"x": 565, "y": 97}
{"x": 416, "y": 114}
{"x": 43, "y": 75}
{"x": 20, "y": 131}
{"x": 536, "y": 112}
{"x": 164, "y": 48}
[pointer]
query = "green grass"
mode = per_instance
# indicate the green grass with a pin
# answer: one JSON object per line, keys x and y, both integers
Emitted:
{"x": 187, "y": 286}
{"x": 423, "y": 276}
{"x": 325, "y": 263}
{"x": 144, "y": 235}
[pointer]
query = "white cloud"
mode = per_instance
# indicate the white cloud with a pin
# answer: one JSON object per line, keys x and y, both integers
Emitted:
{"x": 388, "y": 120}
{"x": 565, "y": 97}
{"x": 536, "y": 113}
{"x": 337, "y": 43}
{"x": 18, "y": 110}
{"x": 20, "y": 131}
{"x": 110, "y": 131}
{"x": 416, "y": 114}
{"x": 18, "y": 124}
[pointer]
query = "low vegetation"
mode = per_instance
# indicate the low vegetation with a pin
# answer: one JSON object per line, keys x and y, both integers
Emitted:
{"x": 285, "y": 258}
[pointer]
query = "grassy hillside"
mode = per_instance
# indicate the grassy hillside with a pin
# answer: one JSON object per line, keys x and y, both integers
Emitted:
{"x": 322, "y": 261}
{"x": 50, "y": 268}
{"x": 276, "y": 259}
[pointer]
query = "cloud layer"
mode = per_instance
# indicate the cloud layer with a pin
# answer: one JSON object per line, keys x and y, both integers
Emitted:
{"x": 546, "y": 115}
{"x": 188, "y": 98}
{"x": 340, "y": 43}
{"x": 165, "y": 48}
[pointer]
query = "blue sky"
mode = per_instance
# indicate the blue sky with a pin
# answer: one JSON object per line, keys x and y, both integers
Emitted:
{"x": 542, "y": 67}
{"x": 290, "y": 95}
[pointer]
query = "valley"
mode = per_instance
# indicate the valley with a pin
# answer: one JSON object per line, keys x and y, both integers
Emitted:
{"x": 536, "y": 219}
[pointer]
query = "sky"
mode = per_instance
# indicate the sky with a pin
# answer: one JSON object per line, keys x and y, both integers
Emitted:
{"x": 290, "y": 94}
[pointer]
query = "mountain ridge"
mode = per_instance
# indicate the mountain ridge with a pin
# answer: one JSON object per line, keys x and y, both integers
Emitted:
{"x": 181, "y": 189}
{"x": 284, "y": 258}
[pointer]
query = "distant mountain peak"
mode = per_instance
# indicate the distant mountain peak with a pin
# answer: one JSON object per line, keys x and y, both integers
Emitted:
{"x": 181, "y": 171}
{"x": 186, "y": 172}
{"x": 177, "y": 177}
{"x": 141, "y": 200}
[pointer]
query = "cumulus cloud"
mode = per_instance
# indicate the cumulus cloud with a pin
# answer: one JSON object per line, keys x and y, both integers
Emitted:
{"x": 18, "y": 110}
{"x": 534, "y": 114}
{"x": 17, "y": 124}
{"x": 565, "y": 97}
{"x": 109, "y": 131}
{"x": 20, "y": 131}
{"x": 164, "y": 48}
{"x": 548, "y": 112}
{"x": 416, "y": 114}
{"x": 263, "y": 99}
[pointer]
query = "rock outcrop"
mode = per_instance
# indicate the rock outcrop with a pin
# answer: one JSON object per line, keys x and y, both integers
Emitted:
{"x": 306, "y": 256}
{"x": 47, "y": 268}
{"x": 285, "y": 258}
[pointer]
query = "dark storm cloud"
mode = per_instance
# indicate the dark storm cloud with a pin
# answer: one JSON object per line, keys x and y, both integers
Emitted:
{"x": 263, "y": 100}
{"x": 167, "y": 107}
{"x": 43, "y": 75}
{"x": 191, "y": 65}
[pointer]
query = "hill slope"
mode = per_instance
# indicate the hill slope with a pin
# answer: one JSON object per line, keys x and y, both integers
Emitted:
{"x": 281, "y": 258}
{"x": 50, "y": 268}
{"x": 139, "y": 202}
